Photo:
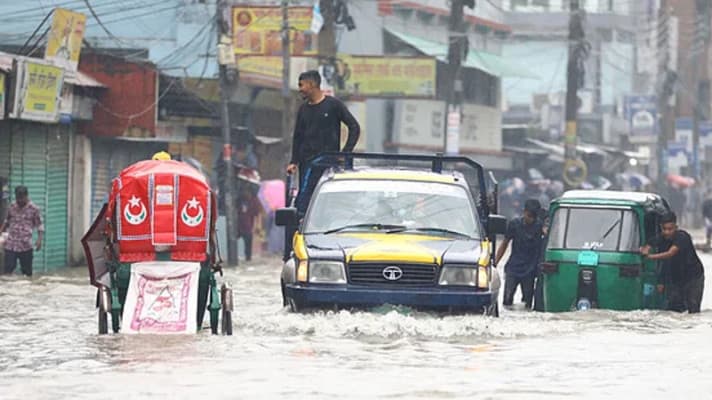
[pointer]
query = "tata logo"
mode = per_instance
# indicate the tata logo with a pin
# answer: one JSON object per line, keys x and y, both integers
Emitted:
{"x": 392, "y": 273}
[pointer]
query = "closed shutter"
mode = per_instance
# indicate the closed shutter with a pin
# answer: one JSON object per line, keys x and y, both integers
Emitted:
{"x": 109, "y": 158}
{"x": 5, "y": 149}
{"x": 4, "y": 169}
{"x": 29, "y": 168}
{"x": 56, "y": 224}
{"x": 101, "y": 175}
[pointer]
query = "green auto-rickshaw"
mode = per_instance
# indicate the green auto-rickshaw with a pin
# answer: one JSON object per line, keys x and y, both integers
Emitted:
{"x": 592, "y": 257}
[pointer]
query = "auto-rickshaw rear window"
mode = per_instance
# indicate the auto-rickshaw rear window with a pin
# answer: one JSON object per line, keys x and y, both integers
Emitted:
{"x": 605, "y": 229}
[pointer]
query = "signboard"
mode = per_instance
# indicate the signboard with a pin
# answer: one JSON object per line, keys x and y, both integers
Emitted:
{"x": 683, "y": 132}
{"x": 641, "y": 114}
{"x": 705, "y": 128}
{"x": 386, "y": 76}
{"x": 65, "y": 38}
{"x": 2, "y": 95}
{"x": 267, "y": 70}
{"x": 257, "y": 31}
{"x": 481, "y": 128}
{"x": 677, "y": 157}
{"x": 66, "y": 104}
{"x": 419, "y": 122}
{"x": 37, "y": 91}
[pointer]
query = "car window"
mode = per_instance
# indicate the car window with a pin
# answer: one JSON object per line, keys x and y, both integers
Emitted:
{"x": 595, "y": 229}
{"x": 414, "y": 205}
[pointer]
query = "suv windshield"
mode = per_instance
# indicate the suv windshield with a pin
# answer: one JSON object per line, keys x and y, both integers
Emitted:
{"x": 594, "y": 229}
{"x": 396, "y": 206}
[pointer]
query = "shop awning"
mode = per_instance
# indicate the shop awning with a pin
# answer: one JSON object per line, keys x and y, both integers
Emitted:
{"x": 81, "y": 79}
{"x": 492, "y": 64}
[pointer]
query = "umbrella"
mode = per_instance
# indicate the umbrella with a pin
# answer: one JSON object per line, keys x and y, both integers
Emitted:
{"x": 680, "y": 181}
{"x": 272, "y": 194}
{"x": 249, "y": 175}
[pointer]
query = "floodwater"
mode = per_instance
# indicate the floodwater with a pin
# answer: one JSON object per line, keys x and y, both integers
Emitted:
{"x": 49, "y": 349}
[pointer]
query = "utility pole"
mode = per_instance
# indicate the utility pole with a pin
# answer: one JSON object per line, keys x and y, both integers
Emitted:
{"x": 701, "y": 103}
{"x": 457, "y": 51}
{"x": 286, "y": 93}
{"x": 574, "y": 171}
{"x": 327, "y": 36}
{"x": 665, "y": 85}
{"x": 230, "y": 212}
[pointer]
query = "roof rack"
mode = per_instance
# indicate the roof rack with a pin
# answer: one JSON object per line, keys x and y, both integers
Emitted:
{"x": 332, "y": 159}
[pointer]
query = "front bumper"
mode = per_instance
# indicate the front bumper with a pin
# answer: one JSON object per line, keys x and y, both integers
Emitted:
{"x": 309, "y": 296}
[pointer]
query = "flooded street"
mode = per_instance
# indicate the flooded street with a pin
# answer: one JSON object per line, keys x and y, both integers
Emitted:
{"x": 50, "y": 350}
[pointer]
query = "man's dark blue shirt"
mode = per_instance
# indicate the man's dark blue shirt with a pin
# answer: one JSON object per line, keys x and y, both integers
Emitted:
{"x": 527, "y": 242}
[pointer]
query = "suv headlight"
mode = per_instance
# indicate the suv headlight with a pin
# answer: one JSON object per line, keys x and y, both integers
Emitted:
{"x": 326, "y": 272}
{"x": 459, "y": 276}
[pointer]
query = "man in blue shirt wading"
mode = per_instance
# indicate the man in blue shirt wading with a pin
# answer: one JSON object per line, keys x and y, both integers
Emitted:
{"x": 526, "y": 235}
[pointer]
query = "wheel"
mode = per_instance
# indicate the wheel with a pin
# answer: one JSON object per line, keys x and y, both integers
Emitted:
{"x": 227, "y": 323}
{"x": 284, "y": 297}
{"x": 115, "y": 321}
{"x": 293, "y": 305}
{"x": 214, "y": 321}
{"x": 103, "y": 323}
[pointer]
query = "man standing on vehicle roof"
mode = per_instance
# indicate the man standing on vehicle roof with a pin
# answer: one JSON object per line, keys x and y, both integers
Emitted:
{"x": 317, "y": 130}
{"x": 682, "y": 271}
{"x": 526, "y": 235}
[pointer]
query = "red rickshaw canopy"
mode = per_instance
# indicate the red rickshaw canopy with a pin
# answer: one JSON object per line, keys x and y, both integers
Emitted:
{"x": 161, "y": 206}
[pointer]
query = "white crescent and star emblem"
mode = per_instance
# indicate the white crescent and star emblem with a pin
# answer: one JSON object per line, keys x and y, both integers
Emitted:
{"x": 131, "y": 218}
{"x": 187, "y": 218}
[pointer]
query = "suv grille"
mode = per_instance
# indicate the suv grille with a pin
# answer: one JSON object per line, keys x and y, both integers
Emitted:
{"x": 373, "y": 274}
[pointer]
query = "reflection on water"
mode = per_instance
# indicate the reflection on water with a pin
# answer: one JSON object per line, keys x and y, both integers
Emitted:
{"x": 50, "y": 350}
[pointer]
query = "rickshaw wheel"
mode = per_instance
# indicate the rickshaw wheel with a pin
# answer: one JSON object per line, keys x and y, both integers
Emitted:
{"x": 103, "y": 323}
{"x": 227, "y": 323}
{"x": 115, "y": 322}
{"x": 214, "y": 321}
{"x": 284, "y": 297}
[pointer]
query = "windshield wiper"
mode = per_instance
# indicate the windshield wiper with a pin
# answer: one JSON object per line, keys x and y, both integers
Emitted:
{"x": 365, "y": 226}
{"x": 605, "y": 235}
{"x": 436, "y": 230}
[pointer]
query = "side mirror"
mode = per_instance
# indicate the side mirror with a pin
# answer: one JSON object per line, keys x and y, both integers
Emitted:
{"x": 496, "y": 224}
{"x": 286, "y": 217}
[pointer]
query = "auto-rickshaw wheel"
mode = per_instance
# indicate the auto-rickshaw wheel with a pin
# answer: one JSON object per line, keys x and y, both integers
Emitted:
{"x": 103, "y": 323}
{"x": 227, "y": 323}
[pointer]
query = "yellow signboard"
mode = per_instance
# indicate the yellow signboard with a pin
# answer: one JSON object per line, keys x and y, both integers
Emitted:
{"x": 386, "y": 76}
{"x": 269, "y": 67}
{"x": 267, "y": 70}
{"x": 257, "y": 31}
{"x": 65, "y": 37}
{"x": 2, "y": 95}
{"x": 41, "y": 89}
